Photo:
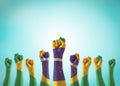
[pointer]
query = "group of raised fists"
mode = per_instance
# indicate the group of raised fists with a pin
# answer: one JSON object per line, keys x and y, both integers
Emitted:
{"x": 58, "y": 74}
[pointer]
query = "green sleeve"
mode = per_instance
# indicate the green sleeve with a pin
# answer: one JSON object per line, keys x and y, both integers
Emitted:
{"x": 6, "y": 81}
{"x": 32, "y": 81}
{"x": 111, "y": 81}
{"x": 19, "y": 78}
{"x": 84, "y": 81}
{"x": 100, "y": 81}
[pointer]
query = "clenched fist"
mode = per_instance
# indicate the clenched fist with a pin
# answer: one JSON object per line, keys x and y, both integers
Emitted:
{"x": 8, "y": 63}
{"x": 98, "y": 62}
{"x": 19, "y": 60}
{"x": 74, "y": 59}
{"x": 112, "y": 63}
{"x": 58, "y": 47}
{"x": 85, "y": 65}
{"x": 30, "y": 66}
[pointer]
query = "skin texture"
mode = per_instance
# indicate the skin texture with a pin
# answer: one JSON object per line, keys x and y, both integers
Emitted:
{"x": 19, "y": 77}
{"x": 74, "y": 60}
{"x": 8, "y": 63}
{"x": 98, "y": 64}
{"x": 58, "y": 50}
{"x": 30, "y": 66}
{"x": 44, "y": 57}
{"x": 85, "y": 68}
{"x": 111, "y": 64}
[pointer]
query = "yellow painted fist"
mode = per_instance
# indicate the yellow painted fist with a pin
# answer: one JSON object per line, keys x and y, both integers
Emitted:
{"x": 85, "y": 65}
{"x": 30, "y": 66}
{"x": 98, "y": 62}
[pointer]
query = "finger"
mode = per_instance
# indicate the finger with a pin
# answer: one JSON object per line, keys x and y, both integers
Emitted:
{"x": 78, "y": 57}
{"x": 88, "y": 61}
{"x": 53, "y": 44}
{"x": 63, "y": 45}
{"x": 31, "y": 62}
{"x": 16, "y": 57}
{"x": 84, "y": 60}
{"x": 10, "y": 61}
{"x": 6, "y": 61}
{"x": 41, "y": 53}
{"x": 76, "y": 62}
{"x": 95, "y": 60}
{"x": 46, "y": 55}
{"x": 20, "y": 57}
{"x": 99, "y": 58}
{"x": 100, "y": 62}
{"x": 72, "y": 58}
{"x": 62, "y": 39}
{"x": 27, "y": 63}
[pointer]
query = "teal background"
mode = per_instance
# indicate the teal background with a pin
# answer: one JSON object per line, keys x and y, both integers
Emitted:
{"x": 90, "y": 28}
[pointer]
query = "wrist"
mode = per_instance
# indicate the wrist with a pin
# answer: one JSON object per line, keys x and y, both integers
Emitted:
{"x": 73, "y": 71}
{"x": 8, "y": 69}
{"x": 32, "y": 73}
{"x": 110, "y": 70}
{"x": 84, "y": 72}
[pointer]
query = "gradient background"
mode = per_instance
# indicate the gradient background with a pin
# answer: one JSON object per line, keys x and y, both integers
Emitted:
{"x": 90, "y": 28}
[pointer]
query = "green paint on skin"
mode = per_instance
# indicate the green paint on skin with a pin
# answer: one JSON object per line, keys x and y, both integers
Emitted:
{"x": 7, "y": 78}
{"x": 100, "y": 81}
{"x": 111, "y": 81}
{"x": 84, "y": 81}
{"x": 32, "y": 81}
{"x": 19, "y": 78}
{"x": 44, "y": 84}
{"x": 75, "y": 83}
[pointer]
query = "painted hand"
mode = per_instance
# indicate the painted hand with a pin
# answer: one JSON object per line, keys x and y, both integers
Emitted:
{"x": 58, "y": 47}
{"x": 43, "y": 55}
{"x": 8, "y": 63}
{"x": 18, "y": 60}
{"x": 85, "y": 65}
{"x": 30, "y": 66}
{"x": 74, "y": 59}
{"x": 112, "y": 63}
{"x": 98, "y": 62}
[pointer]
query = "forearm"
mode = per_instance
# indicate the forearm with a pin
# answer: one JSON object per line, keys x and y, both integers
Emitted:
{"x": 33, "y": 81}
{"x": 100, "y": 81}
{"x": 58, "y": 76}
{"x": 84, "y": 81}
{"x": 74, "y": 77}
{"x": 111, "y": 81}
{"x": 19, "y": 78}
{"x": 45, "y": 74}
{"x": 6, "y": 81}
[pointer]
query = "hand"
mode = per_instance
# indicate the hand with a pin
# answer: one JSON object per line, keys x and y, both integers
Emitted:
{"x": 8, "y": 63}
{"x": 98, "y": 62}
{"x": 112, "y": 63}
{"x": 18, "y": 59}
{"x": 43, "y": 55}
{"x": 30, "y": 66}
{"x": 58, "y": 47}
{"x": 74, "y": 59}
{"x": 86, "y": 64}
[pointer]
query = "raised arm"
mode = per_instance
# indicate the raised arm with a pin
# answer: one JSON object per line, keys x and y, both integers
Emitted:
{"x": 85, "y": 69}
{"x": 44, "y": 57}
{"x": 8, "y": 63}
{"x": 58, "y": 50}
{"x": 19, "y": 77}
{"x": 98, "y": 64}
{"x": 30, "y": 66}
{"x": 74, "y": 60}
{"x": 111, "y": 81}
